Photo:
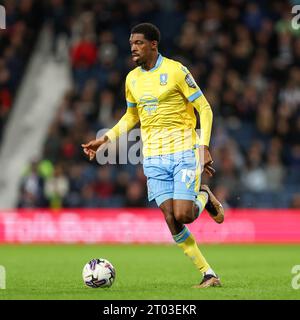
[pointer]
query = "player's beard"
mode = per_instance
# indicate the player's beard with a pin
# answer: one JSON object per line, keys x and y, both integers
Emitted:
{"x": 139, "y": 62}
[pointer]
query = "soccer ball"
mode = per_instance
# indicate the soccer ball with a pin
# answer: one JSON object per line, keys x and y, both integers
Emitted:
{"x": 99, "y": 273}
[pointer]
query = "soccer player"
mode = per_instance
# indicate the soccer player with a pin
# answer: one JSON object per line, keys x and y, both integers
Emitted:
{"x": 162, "y": 94}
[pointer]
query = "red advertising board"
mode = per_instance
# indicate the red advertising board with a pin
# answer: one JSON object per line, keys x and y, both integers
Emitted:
{"x": 144, "y": 226}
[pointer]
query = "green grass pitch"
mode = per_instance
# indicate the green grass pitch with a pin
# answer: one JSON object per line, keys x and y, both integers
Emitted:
{"x": 149, "y": 272}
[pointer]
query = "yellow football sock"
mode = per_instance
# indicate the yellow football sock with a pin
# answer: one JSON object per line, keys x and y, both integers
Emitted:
{"x": 201, "y": 201}
{"x": 186, "y": 241}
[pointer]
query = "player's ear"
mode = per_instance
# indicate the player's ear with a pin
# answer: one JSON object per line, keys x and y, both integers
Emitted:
{"x": 154, "y": 44}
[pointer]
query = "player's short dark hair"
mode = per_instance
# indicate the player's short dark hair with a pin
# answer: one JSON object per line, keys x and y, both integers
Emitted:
{"x": 149, "y": 30}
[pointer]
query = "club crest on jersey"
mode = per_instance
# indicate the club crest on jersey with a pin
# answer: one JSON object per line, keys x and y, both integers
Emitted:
{"x": 190, "y": 81}
{"x": 163, "y": 79}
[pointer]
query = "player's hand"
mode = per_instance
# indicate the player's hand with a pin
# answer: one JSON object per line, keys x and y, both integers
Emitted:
{"x": 91, "y": 147}
{"x": 207, "y": 161}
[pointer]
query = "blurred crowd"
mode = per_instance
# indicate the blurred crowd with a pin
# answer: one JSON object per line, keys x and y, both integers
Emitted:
{"x": 23, "y": 21}
{"x": 244, "y": 55}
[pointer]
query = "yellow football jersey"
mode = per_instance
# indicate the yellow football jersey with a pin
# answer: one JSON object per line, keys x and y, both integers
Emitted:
{"x": 161, "y": 99}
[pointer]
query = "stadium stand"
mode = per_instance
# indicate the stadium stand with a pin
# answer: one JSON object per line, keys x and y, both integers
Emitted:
{"x": 23, "y": 22}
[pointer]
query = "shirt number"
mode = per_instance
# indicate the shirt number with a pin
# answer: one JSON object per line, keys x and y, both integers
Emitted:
{"x": 188, "y": 174}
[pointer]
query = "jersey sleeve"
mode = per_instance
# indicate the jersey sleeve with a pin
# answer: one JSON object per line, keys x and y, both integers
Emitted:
{"x": 206, "y": 119}
{"x": 186, "y": 84}
{"x": 189, "y": 88}
{"x": 125, "y": 124}
{"x": 129, "y": 96}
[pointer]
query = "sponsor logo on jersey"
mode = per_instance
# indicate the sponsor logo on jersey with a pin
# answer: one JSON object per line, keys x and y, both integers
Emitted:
{"x": 149, "y": 103}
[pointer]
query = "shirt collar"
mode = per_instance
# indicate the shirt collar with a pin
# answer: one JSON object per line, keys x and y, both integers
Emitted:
{"x": 157, "y": 64}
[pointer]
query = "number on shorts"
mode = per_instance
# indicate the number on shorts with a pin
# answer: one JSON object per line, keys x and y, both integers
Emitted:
{"x": 188, "y": 174}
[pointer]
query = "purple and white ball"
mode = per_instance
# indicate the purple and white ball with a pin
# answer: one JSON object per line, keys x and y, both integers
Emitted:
{"x": 99, "y": 273}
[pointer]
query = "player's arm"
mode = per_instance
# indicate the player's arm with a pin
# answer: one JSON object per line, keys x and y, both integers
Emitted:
{"x": 125, "y": 124}
{"x": 206, "y": 120}
{"x": 194, "y": 95}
